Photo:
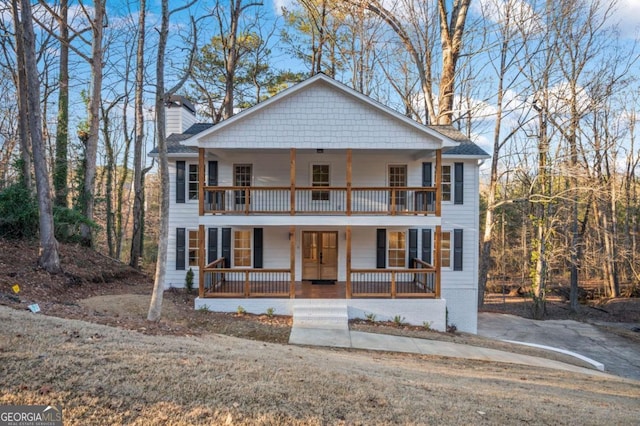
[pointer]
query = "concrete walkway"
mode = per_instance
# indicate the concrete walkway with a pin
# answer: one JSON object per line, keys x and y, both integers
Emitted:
{"x": 344, "y": 338}
{"x": 620, "y": 356}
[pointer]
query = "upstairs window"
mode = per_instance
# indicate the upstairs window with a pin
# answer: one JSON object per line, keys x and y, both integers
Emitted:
{"x": 446, "y": 183}
{"x": 398, "y": 178}
{"x": 193, "y": 181}
{"x": 320, "y": 178}
{"x": 242, "y": 178}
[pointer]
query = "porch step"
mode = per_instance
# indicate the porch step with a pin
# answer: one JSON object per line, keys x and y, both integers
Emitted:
{"x": 321, "y": 313}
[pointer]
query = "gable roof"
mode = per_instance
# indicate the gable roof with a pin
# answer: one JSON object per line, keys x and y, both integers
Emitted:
{"x": 454, "y": 142}
{"x": 381, "y": 111}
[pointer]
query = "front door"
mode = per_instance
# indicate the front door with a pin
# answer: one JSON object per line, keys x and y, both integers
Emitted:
{"x": 320, "y": 255}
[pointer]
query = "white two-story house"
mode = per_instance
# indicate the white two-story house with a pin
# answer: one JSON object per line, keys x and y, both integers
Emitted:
{"x": 321, "y": 193}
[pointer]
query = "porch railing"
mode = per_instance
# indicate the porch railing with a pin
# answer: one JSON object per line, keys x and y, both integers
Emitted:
{"x": 320, "y": 200}
{"x": 419, "y": 281}
{"x": 245, "y": 282}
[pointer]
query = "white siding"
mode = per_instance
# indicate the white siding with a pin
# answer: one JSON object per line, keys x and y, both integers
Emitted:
{"x": 178, "y": 119}
{"x": 320, "y": 117}
{"x": 181, "y": 215}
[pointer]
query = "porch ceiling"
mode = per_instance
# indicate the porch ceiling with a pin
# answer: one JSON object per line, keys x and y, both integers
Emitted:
{"x": 321, "y": 221}
{"x": 414, "y": 153}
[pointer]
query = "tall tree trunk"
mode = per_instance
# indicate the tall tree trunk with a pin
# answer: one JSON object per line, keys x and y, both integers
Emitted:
{"x": 138, "y": 182}
{"x": 162, "y": 95}
{"x": 21, "y": 93}
{"x": 539, "y": 250}
{"x": 62, "y": 130}
{"x": 109, "y": 170}
{"x": 155, "y": 307}
{"x": 97, "y": 27}
{"x": 49, "y": 259}
{"x": 122, "y": 179}
{"x": 451, "y": 37}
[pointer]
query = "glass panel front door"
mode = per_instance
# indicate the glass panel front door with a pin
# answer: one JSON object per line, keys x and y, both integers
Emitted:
{"x": 320, "y": 255}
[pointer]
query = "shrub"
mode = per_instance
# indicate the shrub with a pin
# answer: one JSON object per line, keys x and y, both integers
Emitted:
{"x": 18, "y": 212}
{"x": 241, "y": 310}
{"x": 19, "y": 217}
{"x": 270, "y": 312}
{"x": 371, "y": 317}
{"x": 189, "y": 281}
{"x": 67, "y": 224}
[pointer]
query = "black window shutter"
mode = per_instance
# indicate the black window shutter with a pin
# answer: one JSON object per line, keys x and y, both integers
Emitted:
{"x": 426, "y": 245}
{"x": 213, "y": 173}
{"x": 459, "y": 183}
{"x": 226, "y": 246}
{"x": 427, "y": 180}
{"x": 381, "y": 248}
{"x": 212, "y": 180}
{"x": 426, "y": 174}
{"x": 457, "y": 249}
{"x": 212, "y": 247}
{"x": 257, "y": 247}
{"x": 180, "y": 181}
{"x": 180, "y": 249}
{"x": 413, "y": 245}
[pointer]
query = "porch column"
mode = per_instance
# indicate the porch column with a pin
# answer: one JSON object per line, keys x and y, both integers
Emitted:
{"x": 438, "y": 258}
{"x": 438, "y": 182}
{"x": 348, "y": 265}
{"x": 201, "y": 181}
{"x": 349, "y": 171}
{"x": 292, "y": 261}
{"x": 292, "y": 178}
{"x": 201, "y": 258}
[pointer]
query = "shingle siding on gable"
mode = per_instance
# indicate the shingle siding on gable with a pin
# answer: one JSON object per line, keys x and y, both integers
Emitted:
{"x": 321, "y": 117}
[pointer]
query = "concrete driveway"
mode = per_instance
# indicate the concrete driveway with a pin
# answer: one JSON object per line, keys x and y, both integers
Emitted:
{"x": 620, "y": 356}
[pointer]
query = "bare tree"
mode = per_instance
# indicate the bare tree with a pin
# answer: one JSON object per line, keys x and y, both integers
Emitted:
{"x": 49, "y": 259}
{"x": 230, "y": 47}
{"x": 138, "y": 179}
{"x": 21, "y": 93}
{"x": 60, "y": 171}
{"x": 510, "y": 44}
{"x": 161, "y": 98}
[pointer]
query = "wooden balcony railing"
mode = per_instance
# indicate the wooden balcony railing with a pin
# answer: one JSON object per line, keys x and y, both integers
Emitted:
{"x": 245, "y": 282}
{"x": 420, "y": 281}
{"x": 320, "y": 200}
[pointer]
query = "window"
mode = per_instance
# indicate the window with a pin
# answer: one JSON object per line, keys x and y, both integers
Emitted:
{"x": 193, "y": 181}
{"x": 397, "y": 250}
{"x": 241, "y": 177}
{"x": 193, "y": 248}
{"x": 398, "y": 177}
{"x": 446, "y": 183}
{"x": 320, "y": 177}
{"x": 242, "y": 248}
{"x": 445, "y": 249}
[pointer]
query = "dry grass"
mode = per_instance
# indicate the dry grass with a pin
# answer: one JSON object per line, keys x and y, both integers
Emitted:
{"x": 92, "y": 351}
{"x": 107, "y": 375}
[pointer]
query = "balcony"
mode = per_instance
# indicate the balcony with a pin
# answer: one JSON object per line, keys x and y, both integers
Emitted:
{"x": 284, "y": 200}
